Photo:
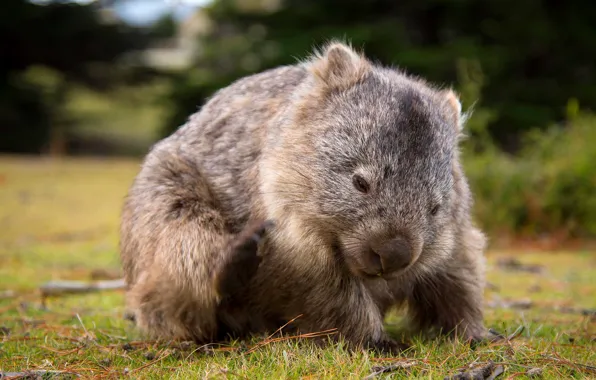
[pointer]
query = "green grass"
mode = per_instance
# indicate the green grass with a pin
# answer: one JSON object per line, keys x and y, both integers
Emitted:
{"x": 59, "y": 220}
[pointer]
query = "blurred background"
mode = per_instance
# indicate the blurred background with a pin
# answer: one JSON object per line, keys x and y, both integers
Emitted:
{"x": 82, "y": 82}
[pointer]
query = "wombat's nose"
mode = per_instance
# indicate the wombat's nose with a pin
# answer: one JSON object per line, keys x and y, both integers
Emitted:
{"x": 395, "y": 253}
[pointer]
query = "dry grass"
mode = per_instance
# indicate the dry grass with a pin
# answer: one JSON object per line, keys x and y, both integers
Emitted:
{"x": 59, "y": 220}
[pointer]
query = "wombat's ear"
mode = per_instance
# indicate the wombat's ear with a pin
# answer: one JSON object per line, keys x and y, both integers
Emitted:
{"x": 338, "y": 66}
{"x": 452, "y": 106}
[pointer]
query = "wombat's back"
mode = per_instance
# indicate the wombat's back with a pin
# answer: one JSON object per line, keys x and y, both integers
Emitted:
{"x": 210, "y": 160}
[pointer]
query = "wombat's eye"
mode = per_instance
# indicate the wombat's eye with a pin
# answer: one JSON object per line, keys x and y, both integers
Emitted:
{"x": 435, "y": 210}
{"x": 360, "y": 183}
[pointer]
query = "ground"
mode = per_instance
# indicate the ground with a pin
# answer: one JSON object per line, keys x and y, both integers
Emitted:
{"x": 59, "y": 221}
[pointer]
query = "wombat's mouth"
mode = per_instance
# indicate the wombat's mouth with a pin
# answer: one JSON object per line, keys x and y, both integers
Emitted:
{"x": 380, "y": 276}
{"x": 358, "y": 269}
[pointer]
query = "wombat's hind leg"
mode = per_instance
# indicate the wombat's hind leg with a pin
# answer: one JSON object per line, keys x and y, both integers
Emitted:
{"x": 174, "y": 244}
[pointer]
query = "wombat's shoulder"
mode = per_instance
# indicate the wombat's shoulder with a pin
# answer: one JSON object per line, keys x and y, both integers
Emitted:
{"x": 241, "y": 109}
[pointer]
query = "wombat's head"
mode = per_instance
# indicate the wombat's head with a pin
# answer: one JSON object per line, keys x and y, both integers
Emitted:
{"x": 379, "y": 151}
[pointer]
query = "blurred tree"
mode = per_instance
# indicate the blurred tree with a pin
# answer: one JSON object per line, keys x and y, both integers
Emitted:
{"x": 164, "y": 27}
{"x": 45, "y": 49}
{"x": 533, "y": 55}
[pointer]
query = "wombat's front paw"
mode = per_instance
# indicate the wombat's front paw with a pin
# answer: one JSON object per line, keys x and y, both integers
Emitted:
{"x": 388, "y": 347}
{"x": 243, "y": 261}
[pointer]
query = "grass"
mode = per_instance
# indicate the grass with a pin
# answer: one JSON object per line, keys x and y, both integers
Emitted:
{"x": 59, "y": 220}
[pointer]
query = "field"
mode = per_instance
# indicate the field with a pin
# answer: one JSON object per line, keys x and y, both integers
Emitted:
{"x": 59, "y": 221}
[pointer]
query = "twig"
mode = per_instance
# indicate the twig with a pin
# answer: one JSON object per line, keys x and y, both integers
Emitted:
{"x": 61, "y": 352}
{"x": 498, "y": 371}
{"x": 300, "y": 336}
{"x": 82, "y": 324}
{"x": 571, "y": 310}
{"x": 498, "y": 303}
{"x": 523, "y": 304}
{"x": 6, "y": 294}
{"x": 379, "y": 370}
{"x": 513, "y": 264}
{"x": 534, "y": 372}
{"x": 33, "y": 374}
{"x": 516, "y": 333}
{"x": 487, "y": 371}
{"x": 586, "y": 367}
{"x": 287, "y": 323}
{"x": 56, "y": 288}
{"x": 160, "y": 358}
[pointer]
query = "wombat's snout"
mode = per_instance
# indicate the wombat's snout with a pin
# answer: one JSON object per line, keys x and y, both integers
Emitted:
{"x": 388, "y": 256}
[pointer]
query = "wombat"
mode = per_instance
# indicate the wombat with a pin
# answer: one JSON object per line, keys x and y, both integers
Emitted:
{"x": 329, "y": 190}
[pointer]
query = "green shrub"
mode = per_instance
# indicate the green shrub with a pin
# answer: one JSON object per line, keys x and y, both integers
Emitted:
{"x": 548, "y": 188}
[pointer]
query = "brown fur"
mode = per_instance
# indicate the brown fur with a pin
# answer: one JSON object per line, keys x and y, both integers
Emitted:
{"x": 284, "y": 145}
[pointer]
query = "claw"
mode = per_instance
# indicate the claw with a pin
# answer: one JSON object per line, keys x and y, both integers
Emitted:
{"x": 237, "y": 272}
